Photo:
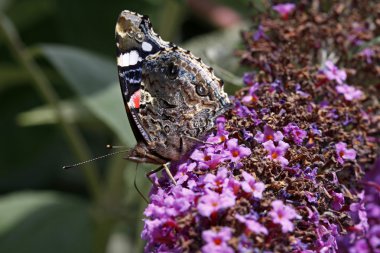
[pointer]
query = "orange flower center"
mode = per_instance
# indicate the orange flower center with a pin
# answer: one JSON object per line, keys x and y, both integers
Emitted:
{"x": 341, "y": 153}
{"x": 235, "y": 153}
{"x": 270, "y": 137}
{"x": 217, "y": 241}
{"x": 274, "y": 155}
{"x": 207, "y": 158}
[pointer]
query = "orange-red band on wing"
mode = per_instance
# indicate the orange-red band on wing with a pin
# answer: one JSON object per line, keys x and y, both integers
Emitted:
{"x": 134, "y": 102}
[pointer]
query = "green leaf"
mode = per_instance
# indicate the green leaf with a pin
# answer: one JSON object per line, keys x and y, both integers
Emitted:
{"x": 93, "y": 78}
{"x": 217, "y": 50}
{"x": 44, "y": 222}
{"x": 73, "y": 111}
{"x": 4, "y": 4}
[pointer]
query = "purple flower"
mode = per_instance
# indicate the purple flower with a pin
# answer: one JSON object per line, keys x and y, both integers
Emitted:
{"x": 268, "y": 135}
{"x": 237, "y": 152}
{"x": 332, "y": 72}
{"x": 212, "y": 202}
{"x": 300, "y": 92}
{"x": 295, "y": 132}
{"x": 338, "y": 200}
{"x": 277, "y": 153}
{"x": 326, "y": 235}
{"x": 360, "y": 246}
{"x": 310, "y": 197}
{"x": 284, "y": 9}
{"x": 217, "y": 242}
{"x": 207, "y": 159}
{"x": 359, "y": 213}
{"x": 282, "y": 214}
{"x": 374, "y": 236}
{"x": 216, "y": 182}
{"x": 245, "y": 244}
{"x": 182, "y": 173}
{"x": 250, "y": 185}
{"x": 158, "y": 230}
{"x": 314, "y": 129}
{"x": 167, "y": 206}
{"x": 249, "y": 78}
{"x": 367, "y": 53}
{"x": 252, "y": 225}
{"x": 344, "y": 153}
{"x": 259, "y": 34}
{"x": 221, "y": 134}
{"x": 247, "y": 135}
{"x": 350, "y": 93}
{"x": 251, "y": 97}
{"x": 233, "y": 185}
{"x": 243, "y": 111}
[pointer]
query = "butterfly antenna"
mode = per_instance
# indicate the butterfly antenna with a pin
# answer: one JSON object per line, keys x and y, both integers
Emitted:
{"x": 94, "y": 159}
{"x": 137, "y": 189}
{"x": 109, "y": 146}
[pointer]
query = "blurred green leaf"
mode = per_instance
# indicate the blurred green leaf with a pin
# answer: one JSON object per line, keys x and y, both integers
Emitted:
{"x": 260, "y": 5}
{"x": 93, "y": 78}
{"x": 171, "y": 16}
{"x": 4, "y": 4}
{"x": 73, "y": 111}
{"x": 217, "y": 50}
{"x": 44, "y": 222}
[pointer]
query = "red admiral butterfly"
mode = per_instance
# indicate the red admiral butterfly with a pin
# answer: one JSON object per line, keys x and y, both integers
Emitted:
{"x": 171, "y": 97}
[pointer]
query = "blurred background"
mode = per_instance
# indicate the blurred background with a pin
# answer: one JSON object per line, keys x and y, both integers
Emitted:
{"x": 60, "y": 103}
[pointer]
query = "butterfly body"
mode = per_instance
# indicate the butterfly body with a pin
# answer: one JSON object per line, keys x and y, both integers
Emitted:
{"x": 172, "y": 98}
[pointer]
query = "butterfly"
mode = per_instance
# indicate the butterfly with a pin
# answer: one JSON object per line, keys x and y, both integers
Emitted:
{"x": 171, "y": 97}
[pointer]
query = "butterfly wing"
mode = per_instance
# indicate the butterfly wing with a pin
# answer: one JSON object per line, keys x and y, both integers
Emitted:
{"x": 135, "y": 40}
{"x": 171, "y": 97}
{"x": 181, "y": 97}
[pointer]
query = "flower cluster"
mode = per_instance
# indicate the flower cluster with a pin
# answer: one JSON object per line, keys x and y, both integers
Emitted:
{"x": 365, "y": 236}
{"x": 333, "y": 73}
{"x": 282, "y": 170}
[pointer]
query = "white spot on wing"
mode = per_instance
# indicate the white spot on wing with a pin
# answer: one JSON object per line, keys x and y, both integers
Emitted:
{"x": 146, "y": 46}
{"x": 134, "y": 57}
{"x": 123, "y": 60}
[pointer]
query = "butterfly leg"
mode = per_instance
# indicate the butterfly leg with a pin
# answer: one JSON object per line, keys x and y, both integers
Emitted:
{"x": 169, "y": 173}
{"x": 200, "y": 141}
{"x": 163, "y": 166}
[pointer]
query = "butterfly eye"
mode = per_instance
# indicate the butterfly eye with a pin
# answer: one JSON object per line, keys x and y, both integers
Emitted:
{"x": 172, "y": 71}
{"x": 201, "y": 90}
